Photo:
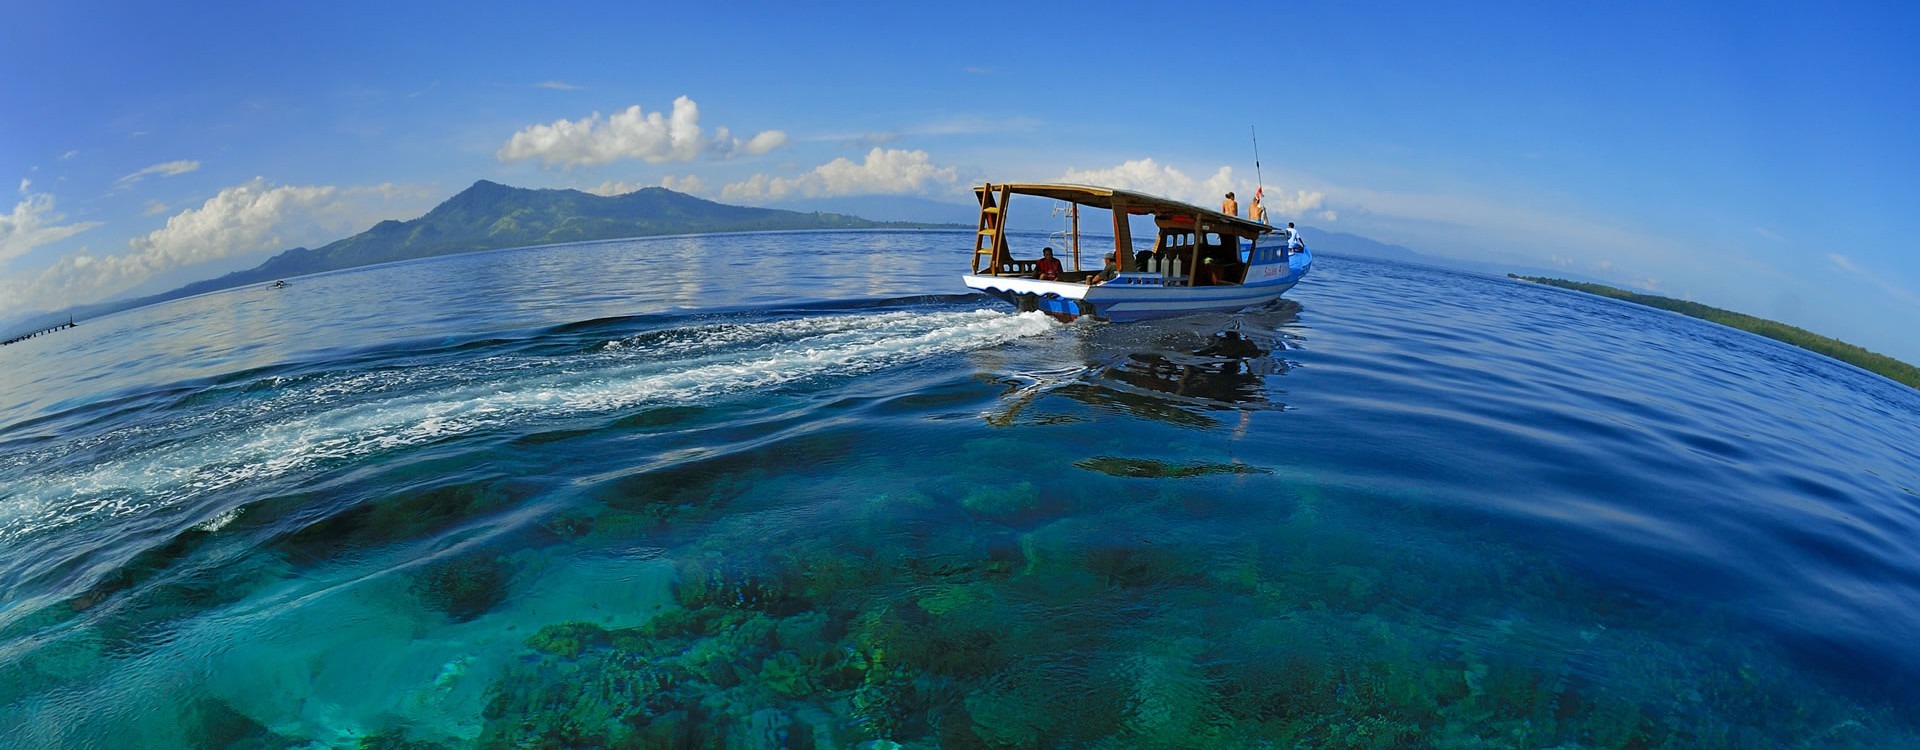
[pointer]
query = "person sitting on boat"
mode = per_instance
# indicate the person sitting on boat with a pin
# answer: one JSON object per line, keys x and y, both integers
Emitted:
{"x": 1047, "y": 268}
{"x": 1107, "y": 271}
{"x": 1294, "y": 242}
{"x": 1255, "y": 211}
{"x": 1230, "y": 206}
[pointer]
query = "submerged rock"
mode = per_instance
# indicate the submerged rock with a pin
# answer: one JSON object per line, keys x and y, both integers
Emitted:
{"x": 772, "y": 729}
{"x": 719, "y": 583}
{"x": 213, "y": 723}
{"x": 568, "y": 639}
{"x": 464, "y": 587}
{"x": 1147, "y": 468}
{"x": 602, "y": 699}
{"x": 1003, "y": 502}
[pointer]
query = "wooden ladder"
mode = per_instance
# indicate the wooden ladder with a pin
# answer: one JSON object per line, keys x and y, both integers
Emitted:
{"x": 990, "y": 241}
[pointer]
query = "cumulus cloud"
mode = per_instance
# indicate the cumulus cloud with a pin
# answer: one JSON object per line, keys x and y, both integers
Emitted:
{"x": 1299, "y": 203}
{"x": 883, "y": 172}
{"x": 1144, "y": 176}
{"x": 33, "y": 223}
{"x": 243, "y": 218}
{"x": 632, "y": 133}
{"x": 1153, "y": 178}
{"x": 253, "y": 217}
{"x": 611, "y": 188}
{"x": 165, "y": 169}
{"x": 689, "y": 184}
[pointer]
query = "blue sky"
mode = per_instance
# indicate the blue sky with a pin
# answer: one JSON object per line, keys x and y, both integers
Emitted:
{"x": 1755, "y": 156}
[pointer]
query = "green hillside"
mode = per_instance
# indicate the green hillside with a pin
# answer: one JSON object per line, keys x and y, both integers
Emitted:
{"x": 490, "y": 215}
{"x": 1800, "y": 337}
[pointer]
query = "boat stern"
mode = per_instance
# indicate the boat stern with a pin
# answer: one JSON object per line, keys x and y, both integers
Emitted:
{"x": 1061, "y": 299}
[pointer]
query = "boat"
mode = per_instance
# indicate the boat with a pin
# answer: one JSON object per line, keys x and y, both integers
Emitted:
{"x": 1199, "y": 260}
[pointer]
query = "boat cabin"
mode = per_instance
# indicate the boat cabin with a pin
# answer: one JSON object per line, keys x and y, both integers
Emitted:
{"x": 1191, "y": 246}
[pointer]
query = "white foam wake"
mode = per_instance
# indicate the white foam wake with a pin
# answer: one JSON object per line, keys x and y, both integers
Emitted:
{"x": 348, "y": 417}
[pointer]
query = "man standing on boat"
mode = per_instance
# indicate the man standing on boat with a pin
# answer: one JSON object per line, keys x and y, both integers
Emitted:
{"x": 1294, "y": 242}
{"x": 1255, "y": 211}
{"x": 1230, "y": 206}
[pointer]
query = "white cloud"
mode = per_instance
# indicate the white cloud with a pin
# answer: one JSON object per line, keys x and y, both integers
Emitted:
{"x": 1154, "y": 178}
{"x": 253, "y": 217}
{"x": 154, "y": 208}
{"x": 69, "y": 154}
{"x": 613, "y": 187}
{"x": 689, "y": 184}
{"x": 1142, "y": 176}
{"x": 1842, "y": 262}
{"x": 884, "y": 172}
{"x": 34, "y": 223}
{"x": 557, "y": 86}
{"x": 167, "y": 169}
{"x": 241, "y": 219}
{"x": 632, "y": 134}
{"x": 1299, "y": 203}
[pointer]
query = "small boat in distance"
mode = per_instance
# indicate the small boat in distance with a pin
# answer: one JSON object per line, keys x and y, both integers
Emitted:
{"x": 1198, "y": 261}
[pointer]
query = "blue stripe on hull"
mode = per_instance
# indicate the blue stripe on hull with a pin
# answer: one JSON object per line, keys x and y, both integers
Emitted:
{"x": 1127, "y": 302}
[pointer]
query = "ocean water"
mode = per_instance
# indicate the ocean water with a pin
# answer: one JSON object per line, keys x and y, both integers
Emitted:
{"x": 795, "y": 490}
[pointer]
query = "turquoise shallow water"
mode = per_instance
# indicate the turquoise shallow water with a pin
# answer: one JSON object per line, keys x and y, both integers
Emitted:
{"x": 792, "y": 490}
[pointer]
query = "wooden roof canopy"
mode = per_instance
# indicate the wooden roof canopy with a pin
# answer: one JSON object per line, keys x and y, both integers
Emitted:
{"x": 1134, "y": 203}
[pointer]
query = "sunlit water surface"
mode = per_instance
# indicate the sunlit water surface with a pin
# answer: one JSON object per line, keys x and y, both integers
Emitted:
{"x": 792, "y": 490}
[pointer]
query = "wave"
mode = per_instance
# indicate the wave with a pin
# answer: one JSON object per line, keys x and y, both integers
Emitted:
{"x": 280, "y": 426}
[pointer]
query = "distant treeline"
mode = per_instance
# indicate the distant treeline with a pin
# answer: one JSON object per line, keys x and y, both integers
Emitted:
{"x": 1800, "y": 337}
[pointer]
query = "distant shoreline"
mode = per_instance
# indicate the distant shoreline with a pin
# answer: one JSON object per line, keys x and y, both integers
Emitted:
{"x": 1878, "y": 364}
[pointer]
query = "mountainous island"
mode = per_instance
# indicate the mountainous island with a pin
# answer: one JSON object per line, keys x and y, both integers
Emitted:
{"x": 489, "y": 216}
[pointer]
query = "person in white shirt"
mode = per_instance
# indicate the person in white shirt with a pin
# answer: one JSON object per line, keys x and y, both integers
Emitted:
{"x": 1294, "y": 242}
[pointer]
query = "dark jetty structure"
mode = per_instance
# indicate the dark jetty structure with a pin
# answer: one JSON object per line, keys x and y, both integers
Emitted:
{"x": 49, "y": 329}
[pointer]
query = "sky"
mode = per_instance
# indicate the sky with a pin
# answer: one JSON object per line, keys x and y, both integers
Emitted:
{"x": 1756, "y": 156}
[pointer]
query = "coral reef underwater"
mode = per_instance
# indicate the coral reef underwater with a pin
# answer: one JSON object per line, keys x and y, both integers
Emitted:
{"x": 1131, "y": 614}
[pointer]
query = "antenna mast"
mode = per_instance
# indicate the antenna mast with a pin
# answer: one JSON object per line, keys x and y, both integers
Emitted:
{"x": 1262, "y": 183}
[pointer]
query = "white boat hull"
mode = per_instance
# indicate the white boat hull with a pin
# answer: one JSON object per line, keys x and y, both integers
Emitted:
{"x": 1141, "y": 296}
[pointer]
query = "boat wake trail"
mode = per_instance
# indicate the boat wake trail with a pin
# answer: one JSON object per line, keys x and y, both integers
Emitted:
{"x": 280, "y": 427}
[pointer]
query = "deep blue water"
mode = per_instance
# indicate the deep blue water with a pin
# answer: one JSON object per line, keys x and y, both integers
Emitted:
{"x": 795, "y": 490}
